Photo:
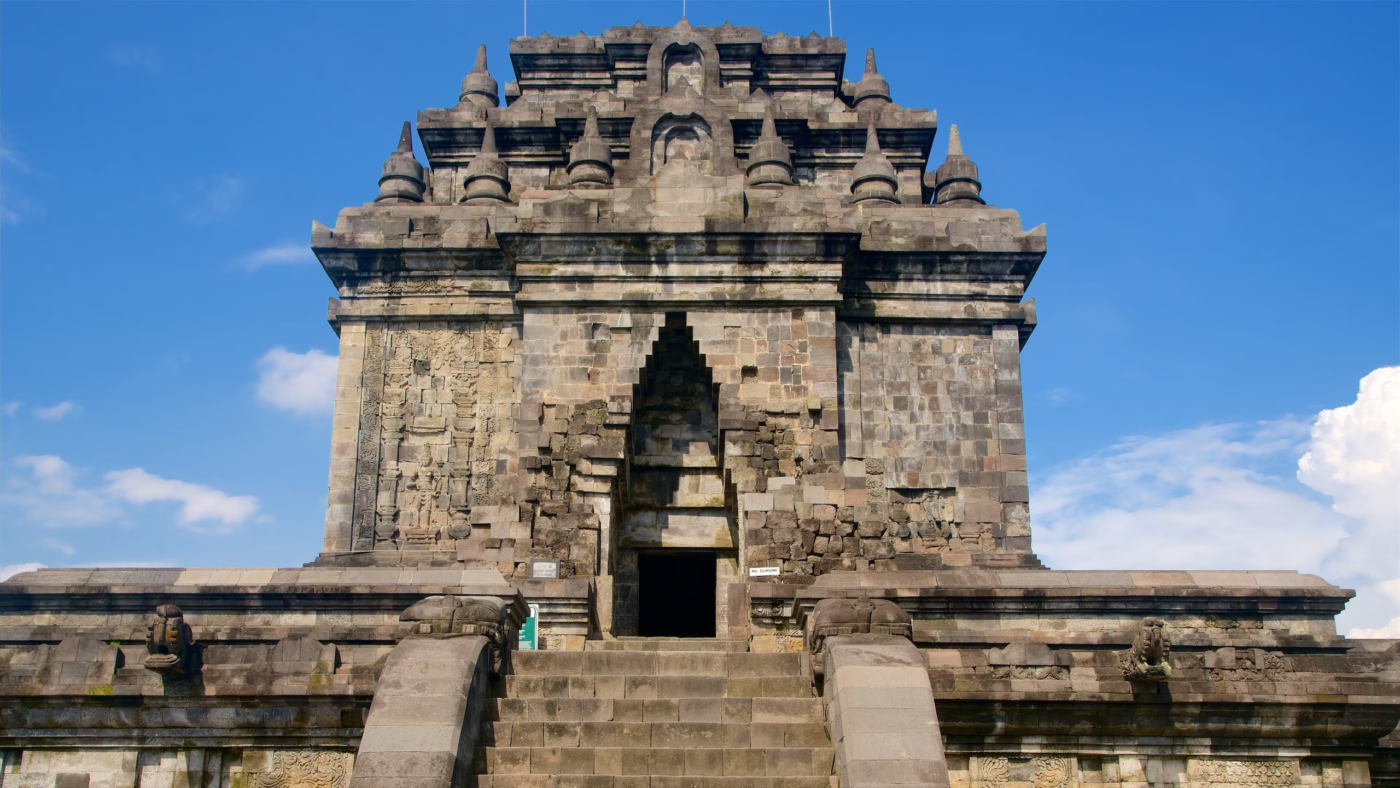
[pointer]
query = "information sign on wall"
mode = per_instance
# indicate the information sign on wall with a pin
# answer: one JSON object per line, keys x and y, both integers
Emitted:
{"x": 544, "y": 569}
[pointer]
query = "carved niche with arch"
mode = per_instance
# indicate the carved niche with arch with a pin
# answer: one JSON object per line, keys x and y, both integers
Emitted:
{"x": 685, "y": 139}
{"x": 684, "y": 63}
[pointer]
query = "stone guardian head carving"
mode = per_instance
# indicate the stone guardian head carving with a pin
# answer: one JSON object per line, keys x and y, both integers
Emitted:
{"x": 170, "y": 643}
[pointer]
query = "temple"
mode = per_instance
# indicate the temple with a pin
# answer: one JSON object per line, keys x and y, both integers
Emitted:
{"x": 678, "y": 441}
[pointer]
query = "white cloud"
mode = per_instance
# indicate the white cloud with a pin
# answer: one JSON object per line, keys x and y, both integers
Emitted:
{"x": 197, "y": 502}
{"x": 212, "y": 198}
{"x": 1354, "y": 457}
{"x": 14, "y": 207}
{"x": 50, "y": 496}
{"x": 143, "y": 58}
{"x": 290, "y": 253}
{"x": 59, "y": 546}
{"x": 11, "y": 408}
{"x": 1219, "y": 497}
{"x": 7, "y": 572}
{"x": 303, "y": 383}
{"x": 1195, "y": 499}
{"x": 54, "y": 412}
{"x": 1390, "y": 631}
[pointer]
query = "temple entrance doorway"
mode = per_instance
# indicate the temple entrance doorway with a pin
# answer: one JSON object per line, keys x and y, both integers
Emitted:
{"x": 677, "y": 594}
{"x": 676, "y": 541}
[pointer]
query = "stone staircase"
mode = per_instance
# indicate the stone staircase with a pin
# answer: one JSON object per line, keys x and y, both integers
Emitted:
{"x": 654, "y": 713}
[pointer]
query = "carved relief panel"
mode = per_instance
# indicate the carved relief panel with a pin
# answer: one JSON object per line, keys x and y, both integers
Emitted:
{"x": 1040, "y": 772}
{"x": 435, "y": 428}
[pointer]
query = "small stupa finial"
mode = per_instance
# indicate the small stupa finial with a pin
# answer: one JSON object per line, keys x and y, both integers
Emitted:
{"x": 770, "y": 162}
{"x": 872, "y": 90}
{"x": 488, "y": 140}
{"x": 402, "y": 179}
{"x": 487, "y": 178}
{"x": 590, "y": 160}
{"x": 874, "y": 178}
{"x": 479, "y": 89}
{"x": 955, "y": 181}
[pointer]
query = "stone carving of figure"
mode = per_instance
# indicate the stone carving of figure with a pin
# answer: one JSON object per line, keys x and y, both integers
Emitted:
{"x": 409, "y": 501}
{"x": 1147, "y": 660}
{"x": 421, "y": 494}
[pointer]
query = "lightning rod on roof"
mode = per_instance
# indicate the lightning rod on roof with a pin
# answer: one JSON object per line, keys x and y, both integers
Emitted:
{"x": 830, "y": 30}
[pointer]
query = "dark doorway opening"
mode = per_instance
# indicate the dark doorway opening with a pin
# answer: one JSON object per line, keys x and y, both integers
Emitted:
{"x": 677, "y": 594}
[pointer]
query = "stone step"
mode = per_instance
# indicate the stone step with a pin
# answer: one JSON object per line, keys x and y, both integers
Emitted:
{"x": 761, "y": 710}
{"x": 649, "y": 687}
{"x": 654, "y": 734}
{"x": 667, "y": 644}
{"x": 665, "y": 663}
{"x": 641, "y": 781}
{"x": 689, "y": 762}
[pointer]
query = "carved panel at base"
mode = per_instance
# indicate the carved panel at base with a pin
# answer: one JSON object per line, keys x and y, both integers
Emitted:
{"x": 298, "y": 769}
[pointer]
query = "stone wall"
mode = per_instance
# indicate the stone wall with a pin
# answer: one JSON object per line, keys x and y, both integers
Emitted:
{"x": 196, "y": 768}
{"x": 844, "y": 445}
{"x": 1140, "y": 770}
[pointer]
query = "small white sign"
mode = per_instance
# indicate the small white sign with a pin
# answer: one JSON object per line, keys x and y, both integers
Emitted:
{"x": 765, "y": 571}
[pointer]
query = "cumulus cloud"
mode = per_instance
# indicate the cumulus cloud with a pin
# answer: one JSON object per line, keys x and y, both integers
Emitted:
{"x": 55, "y": 412}
{"x": 1221, "y": 497}
{"x": 197, "y": 502}
{"x": 1354, "y": 457}
{"x": 303, "y": 383}
{"x": 290, "y": 253}
{"x": 7, "y": 572}
{"x": 50, "y": 496}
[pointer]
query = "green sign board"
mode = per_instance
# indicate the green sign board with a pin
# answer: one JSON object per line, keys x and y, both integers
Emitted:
{"x": 530, "y": 631}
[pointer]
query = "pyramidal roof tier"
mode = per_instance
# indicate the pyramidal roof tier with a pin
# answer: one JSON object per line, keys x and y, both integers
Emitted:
{"x": 679, "y": 130}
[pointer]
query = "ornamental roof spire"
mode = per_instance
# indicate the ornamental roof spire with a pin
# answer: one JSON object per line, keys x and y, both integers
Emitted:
{"x": 955, "y": 182}
{"x": 590, "y": 160}
{"x": 487, "y": 176}
{"x": 874, "y": 178}
{"x": 479, "y": 89}
{"x": 770, "y": 162}
{"x": 402, "y": 180}
{"x": 872, "y": 87}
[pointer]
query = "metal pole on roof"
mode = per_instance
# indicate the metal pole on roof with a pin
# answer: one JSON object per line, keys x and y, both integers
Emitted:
{"x": 525, "y": 18}
{"x": 830, "y": 30}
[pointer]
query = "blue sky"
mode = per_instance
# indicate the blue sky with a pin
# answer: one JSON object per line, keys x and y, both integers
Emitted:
{"x": 1219, "y": 181}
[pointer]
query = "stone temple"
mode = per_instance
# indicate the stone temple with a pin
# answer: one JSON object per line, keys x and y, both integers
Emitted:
{"x": 681, "y": 362}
